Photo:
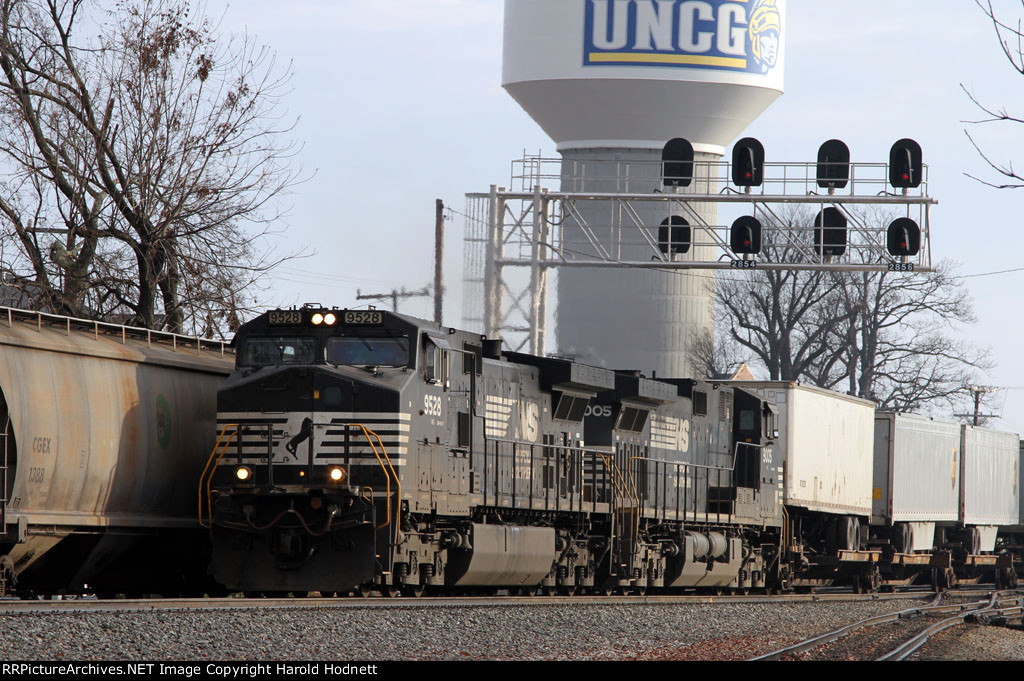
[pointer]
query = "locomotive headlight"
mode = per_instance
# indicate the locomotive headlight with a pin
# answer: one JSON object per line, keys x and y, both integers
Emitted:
{"x": 337, "y": 474}
{"x": 243, "y": 473}
{"x": 329, "y": 319}
{"x": 317, "y": 319}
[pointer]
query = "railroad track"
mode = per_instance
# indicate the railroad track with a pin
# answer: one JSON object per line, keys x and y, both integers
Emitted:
{"x": 15, "y": 607}
{"x": 876, "y": 637}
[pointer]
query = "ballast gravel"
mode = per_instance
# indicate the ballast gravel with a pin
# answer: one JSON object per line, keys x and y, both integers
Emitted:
{"x": 395, "y": 631}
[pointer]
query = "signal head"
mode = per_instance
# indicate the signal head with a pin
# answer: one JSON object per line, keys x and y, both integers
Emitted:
{"x": 674, "y": 235}
{"x": 745, "y": 235}
{"x": 903, "y": 238}
{"x": 906, "y": 169}
{"x": 830, "y": 232}
{"x": 677, "y": 163}
{"x": 833, "y": 164}
{"x": 748, "y": 163}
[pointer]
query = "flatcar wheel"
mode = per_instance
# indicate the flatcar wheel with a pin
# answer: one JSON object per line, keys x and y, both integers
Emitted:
{"x": 566, "y": 590}
{"x": 390, "y": 591}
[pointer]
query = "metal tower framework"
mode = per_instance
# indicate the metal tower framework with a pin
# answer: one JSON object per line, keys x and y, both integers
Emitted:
{"x": 514, "y": 237}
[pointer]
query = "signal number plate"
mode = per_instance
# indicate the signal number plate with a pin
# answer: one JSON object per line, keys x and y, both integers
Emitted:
{"x": 901, "y": 267}
{"x": 744, "y": 264}
{"x": 364, "y": 317}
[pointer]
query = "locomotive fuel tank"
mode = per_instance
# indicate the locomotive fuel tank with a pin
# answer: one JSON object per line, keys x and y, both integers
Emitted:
{"x": 105, "y": 431}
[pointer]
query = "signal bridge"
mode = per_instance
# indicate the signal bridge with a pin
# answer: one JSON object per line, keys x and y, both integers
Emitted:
{"x": 829, "y": 215}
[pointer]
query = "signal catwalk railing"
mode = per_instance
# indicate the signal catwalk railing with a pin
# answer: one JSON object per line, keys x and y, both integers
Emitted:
{"x": 709, "y": 177}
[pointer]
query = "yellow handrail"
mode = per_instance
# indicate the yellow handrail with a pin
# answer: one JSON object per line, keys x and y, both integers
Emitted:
{"x": 206, "y": 479}
{"x": 210, "y": 462}
{"x": 387, "y": 469}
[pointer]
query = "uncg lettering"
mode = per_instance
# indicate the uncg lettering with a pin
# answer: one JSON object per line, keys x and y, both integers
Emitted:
{"x": 691, "y": 26}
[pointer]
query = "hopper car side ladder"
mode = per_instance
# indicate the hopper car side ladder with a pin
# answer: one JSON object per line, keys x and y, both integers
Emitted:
{"x": 4, "y": 475}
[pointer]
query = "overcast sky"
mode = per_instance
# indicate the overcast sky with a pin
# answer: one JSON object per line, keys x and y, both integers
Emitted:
{"x": 400, "y": 102}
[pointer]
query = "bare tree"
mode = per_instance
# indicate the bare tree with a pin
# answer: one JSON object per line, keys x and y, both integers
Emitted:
{"x": 897, "y": 339}
{"x": 890, "y": 337}
{"x": 715, "y": 356}
{"x": 138, "y": 161}
{"x": 1011, "y": 40}
{"x": 775, "y": 314}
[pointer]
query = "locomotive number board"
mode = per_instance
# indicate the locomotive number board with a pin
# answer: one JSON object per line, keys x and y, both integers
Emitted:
{"x": 363, "y": 317}
{"x": 276, "y": 317}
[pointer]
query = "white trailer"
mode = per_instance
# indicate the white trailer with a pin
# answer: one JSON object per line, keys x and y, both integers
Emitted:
{"x": 826, "y": 439}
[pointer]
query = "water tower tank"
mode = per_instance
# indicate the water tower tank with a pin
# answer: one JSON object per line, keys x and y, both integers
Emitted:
{"x": 611, "y": 81}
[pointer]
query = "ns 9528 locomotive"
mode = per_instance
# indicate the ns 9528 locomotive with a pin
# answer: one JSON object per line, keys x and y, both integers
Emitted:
{"x": 362, "y": 449}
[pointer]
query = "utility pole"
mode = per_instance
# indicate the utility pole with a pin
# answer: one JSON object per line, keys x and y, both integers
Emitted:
{"x": 978, "y": 391}
{"x": 438, "y": 257}
{"x": 394, "y": 295}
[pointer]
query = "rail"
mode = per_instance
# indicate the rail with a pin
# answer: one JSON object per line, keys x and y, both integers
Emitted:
{"x": 912, "y": 645}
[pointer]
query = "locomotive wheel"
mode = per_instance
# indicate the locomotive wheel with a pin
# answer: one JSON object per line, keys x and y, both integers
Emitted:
{"x": 364, "y": 590}
{"x": 567, "y": 590}
{"x": 414, "y": 590}
{"x": 390, "y": 591}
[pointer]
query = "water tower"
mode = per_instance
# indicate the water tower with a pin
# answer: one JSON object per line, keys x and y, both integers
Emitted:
{"x": 611, "y": 81}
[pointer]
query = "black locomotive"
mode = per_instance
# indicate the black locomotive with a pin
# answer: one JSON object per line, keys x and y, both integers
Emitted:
{"x": 366, "y": 450}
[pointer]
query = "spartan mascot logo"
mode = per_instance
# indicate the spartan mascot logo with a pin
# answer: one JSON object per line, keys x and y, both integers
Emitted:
{"x": 765, "y": 25}
{"x": 728, "y": 35}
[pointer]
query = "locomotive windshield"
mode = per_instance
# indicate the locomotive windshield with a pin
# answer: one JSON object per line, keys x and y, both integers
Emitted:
{"x": 258, "y": 352}
{"x": 386, "y": 352}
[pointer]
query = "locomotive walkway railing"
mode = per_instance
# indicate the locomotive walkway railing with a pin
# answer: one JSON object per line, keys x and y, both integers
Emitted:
{"x": 520, "y": 474}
